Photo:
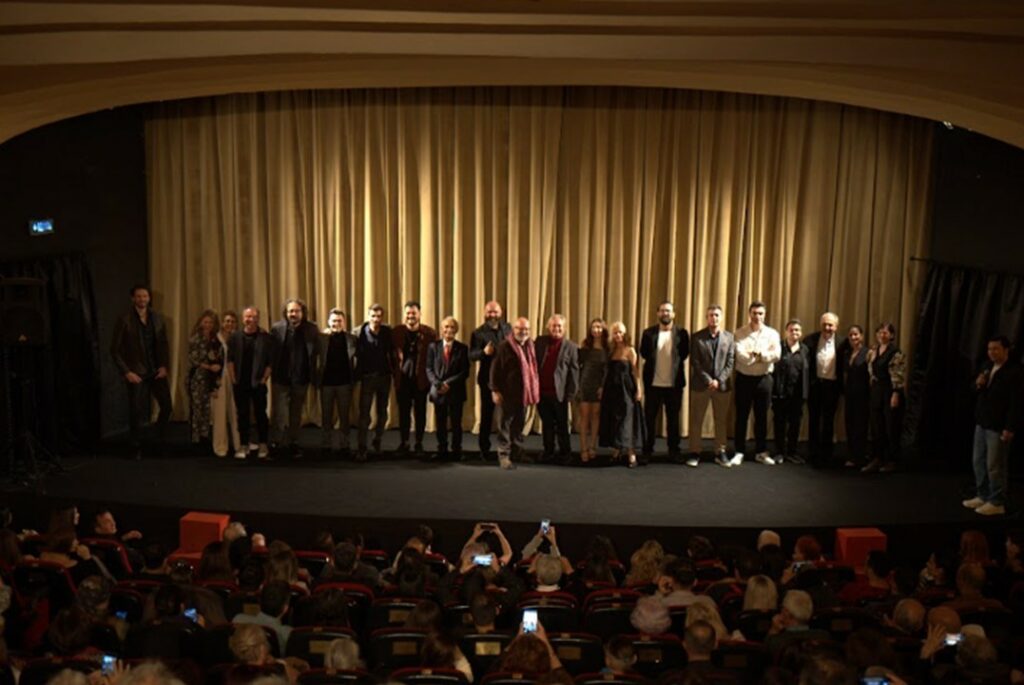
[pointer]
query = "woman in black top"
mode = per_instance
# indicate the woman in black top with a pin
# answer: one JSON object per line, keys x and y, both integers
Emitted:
{"x": 887, "y": 368}
{"x": 857, "y": 391}
{"x": 789, "y": 390}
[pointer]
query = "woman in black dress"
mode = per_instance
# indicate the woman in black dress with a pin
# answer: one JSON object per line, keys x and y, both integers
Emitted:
{"x": 887, "y": 368}
{"x": 857, "y": 393}
{"x": 622, "y": 421}
{"x": 593, "y": 359}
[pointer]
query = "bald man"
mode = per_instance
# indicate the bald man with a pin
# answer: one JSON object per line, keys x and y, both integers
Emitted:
{"x": 483, "y": 343}
{"x": 514, "y": 386}
{"x": 558, "y": 369}
{"x": 826, "y": 386}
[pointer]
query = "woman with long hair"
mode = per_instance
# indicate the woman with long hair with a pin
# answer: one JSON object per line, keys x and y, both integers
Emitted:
{"x": 622, "y": 421}
{"x": 206, "y": 361}
{"x": 857, "y": 395}
{"x": 593, "y": 363}
{"x": 223, "y": 413}
{"x": 887, "y": 367}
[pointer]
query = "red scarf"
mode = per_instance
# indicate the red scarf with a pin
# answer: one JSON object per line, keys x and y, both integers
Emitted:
{"x": 528, "y": 366}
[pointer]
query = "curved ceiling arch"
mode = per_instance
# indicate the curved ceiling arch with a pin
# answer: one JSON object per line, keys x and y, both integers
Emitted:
{"x": 941, "y": 61}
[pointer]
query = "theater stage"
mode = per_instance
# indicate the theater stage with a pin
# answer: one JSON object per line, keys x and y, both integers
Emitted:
{"x": 387, "y": 495}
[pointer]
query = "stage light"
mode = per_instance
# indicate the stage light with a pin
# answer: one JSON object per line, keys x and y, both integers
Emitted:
{"x": 40, "y": 227}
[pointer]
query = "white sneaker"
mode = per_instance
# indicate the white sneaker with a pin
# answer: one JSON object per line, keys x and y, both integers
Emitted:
{"x": 264, "y": 451}
{"x": 736, "y": 460}
{"x": 989, "y": 509}
{"x": 764, "y": 458}
{"x": 692, "y": 462}
{"x": 722, "y": 459}
{"x": 973, "y": 503}
{"x": 241, "y": 454}
{"x": 779, "y": 458}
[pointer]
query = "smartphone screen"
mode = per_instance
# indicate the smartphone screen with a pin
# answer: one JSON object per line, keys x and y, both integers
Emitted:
{"x": 953, "y": 638}
{"x": 192, "y": 614}
{"x": 530, "y": 621}
{"x": 108, "y": 664}
{"x": 545, "y": 526}
{"x": 874, "y": 680}
{"x": 483, "y": 559}
{"x": 123, "y": 615}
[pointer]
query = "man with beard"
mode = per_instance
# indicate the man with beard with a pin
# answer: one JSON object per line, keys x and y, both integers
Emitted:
{"x": 411, "y": 341}
{"x": 514, "y": 386}
{"x": 295, "y": 351}
{"x": 483, "y": 343}
{"x": 664, "y": 347}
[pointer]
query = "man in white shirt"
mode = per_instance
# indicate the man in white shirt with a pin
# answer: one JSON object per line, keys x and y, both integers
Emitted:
{"x": 664, "y": 347}
{"x": 826, "y": 381}
{"x": 758, "y": 347}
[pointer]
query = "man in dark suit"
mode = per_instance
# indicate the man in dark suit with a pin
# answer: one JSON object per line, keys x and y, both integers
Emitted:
{"x": 997, "y": 416}
{"x": 447, "y": 371}
{"x": 375, "y": 364}
{"x": 411, "y": 340}
{"x": 142, "y": 355}
{"x": 664, "y": 347}
{"x": 514, "y": 386}
{"x": 250, "y": 362}
{"x": 295, "y": 350}
{"x": 335, "y": 376}
{"x": 826, "y": 387}
{"x": 558, "y": 370}
{"x": 483, "y": 343}
{"x": 713, "y": 355}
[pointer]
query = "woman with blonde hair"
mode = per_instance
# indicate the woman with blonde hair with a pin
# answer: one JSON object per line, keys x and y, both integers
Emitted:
{"x": 705, "y": 609}
{"x": 622, "y": 421}
{"x": 593, "y": 364}
{"x": 761, "y": 594}
{"x": 206, "y": 361}
{"x": 645, "y": 564}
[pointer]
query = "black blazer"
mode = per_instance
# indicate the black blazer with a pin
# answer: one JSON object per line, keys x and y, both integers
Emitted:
{"x": 567, "y": 369}
{"x": 999, "y": 403}
{"x": 478, "y": 341}
{"x": 323, "y": 345}
{"x": 811, "y": 341}
{"x": 363, "y": 347}
{"x": 262, "y": 354}
{"x": 680, "y": 351}
{"x": 789, "y": 380}
{"x": 454, "y": 372}
{"x": 310, "y": 334}
{"x": 126, "y": 348}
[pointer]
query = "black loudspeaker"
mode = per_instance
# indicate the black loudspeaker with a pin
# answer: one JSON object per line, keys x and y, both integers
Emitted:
{"x": 24, "y": 314}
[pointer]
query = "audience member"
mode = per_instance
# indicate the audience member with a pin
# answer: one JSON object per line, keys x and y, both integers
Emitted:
{"x": 275, "y": 599}
{"x": 343, "y": 655}
{"x": 645, "y": 564}
{"x": 619, "y": 656}
{"x": 650, "y": 616}
{"x": 970, "y": 586}
{"x": 675, "y": 583}
{"x": 791, "y": 624}
{"x": 761, "y": 594}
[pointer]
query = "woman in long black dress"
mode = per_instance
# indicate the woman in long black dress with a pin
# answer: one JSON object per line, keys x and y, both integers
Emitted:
{"x": 887, "y": 367}
{"x": 857, "y": 394}
{"x": 622, "y": 421}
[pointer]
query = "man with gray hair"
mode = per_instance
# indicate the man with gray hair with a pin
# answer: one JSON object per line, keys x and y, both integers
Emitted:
{"x": 514, "y": 386}
{"x": 548, "y": 568}
{"x": 792, "y": 623}
{"x": 558, "y": 370}
{"x": 826, "y": 386}
{"x": 295, "y": 361}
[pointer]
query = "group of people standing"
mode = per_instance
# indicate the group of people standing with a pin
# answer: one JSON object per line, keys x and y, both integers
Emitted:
{"x": 234, "y": 363}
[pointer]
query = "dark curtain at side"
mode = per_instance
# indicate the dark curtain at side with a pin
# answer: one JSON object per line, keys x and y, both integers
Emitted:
{"x": 960, "y": 309}
{"x": 68, "y": 383}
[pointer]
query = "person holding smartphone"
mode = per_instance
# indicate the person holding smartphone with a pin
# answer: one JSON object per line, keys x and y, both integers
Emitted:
{"x": 530, "y": 651}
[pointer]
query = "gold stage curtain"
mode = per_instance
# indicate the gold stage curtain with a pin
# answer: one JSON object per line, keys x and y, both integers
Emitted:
{"x": 584, "y": 201}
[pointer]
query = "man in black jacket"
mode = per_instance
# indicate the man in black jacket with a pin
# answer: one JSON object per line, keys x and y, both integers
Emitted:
{"x": 664, "y": 347}
{"x": 997, "y": 415}
{"x": 483, "y": 343}
{"x": 295, "y": 350}
{"x": 826, "y": 387}
{"x": 250, "y": 359}
{"x": 335, "y": 376}
{"x": 142, "y": 355}
{"x": 375, "y": 365}
{"x": 558, "y": 368}
{"x": 447, "y": 370}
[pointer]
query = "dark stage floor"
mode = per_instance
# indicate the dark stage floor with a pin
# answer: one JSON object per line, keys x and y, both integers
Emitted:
{"x": 390, "y": 487}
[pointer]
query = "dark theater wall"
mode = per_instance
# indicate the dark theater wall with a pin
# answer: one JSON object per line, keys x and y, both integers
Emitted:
{"x": 88, "y": 175}
{"x": 978, "y": 211}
